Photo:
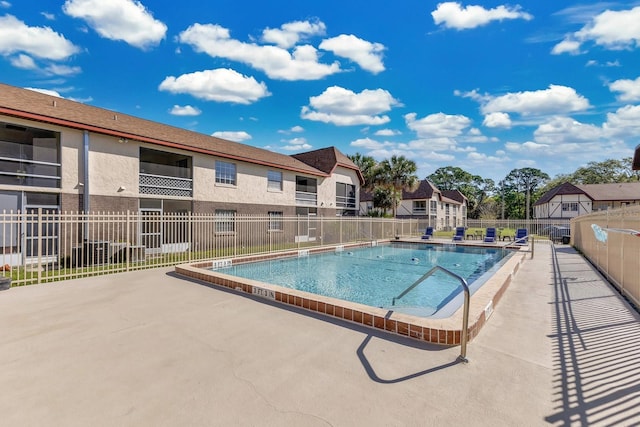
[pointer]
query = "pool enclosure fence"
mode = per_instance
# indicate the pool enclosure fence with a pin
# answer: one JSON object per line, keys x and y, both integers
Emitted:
{"x": 47, "y": 245}
{"x": 608, "y": 241}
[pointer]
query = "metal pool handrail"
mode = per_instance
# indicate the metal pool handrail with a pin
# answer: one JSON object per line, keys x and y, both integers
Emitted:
{"x": 465, "y": 316}
{"x": 521, "y": 239}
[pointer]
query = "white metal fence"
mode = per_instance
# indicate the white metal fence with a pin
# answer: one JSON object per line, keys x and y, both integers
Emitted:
{"x": 42, "y": 246}
{"x": 607, "y": 240}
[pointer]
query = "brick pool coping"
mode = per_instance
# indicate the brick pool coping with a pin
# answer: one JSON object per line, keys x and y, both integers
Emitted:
{"x": 446, "y": 331}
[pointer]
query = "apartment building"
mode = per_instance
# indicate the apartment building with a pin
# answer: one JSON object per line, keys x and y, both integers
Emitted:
{"x": 61, "y": 155}
{"x": 568, "y": 201}
{"x": 441, "y": 209}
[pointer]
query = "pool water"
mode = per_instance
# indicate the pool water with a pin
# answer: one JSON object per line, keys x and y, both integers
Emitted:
{"x": 375, "y": 275}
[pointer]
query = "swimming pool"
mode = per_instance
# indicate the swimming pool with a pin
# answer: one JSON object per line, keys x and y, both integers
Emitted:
{"x": 434, "y": 329}
{"x": 375, "y": 275}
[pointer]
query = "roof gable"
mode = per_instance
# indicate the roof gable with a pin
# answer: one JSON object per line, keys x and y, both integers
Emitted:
{"x": 327, "y": 159}
{"x": 562, "y": 189}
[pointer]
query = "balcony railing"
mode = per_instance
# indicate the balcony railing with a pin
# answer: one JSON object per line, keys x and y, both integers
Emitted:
{"x": 345, "y": 202}
{"x": 305, "y": 198}
{"x": 165, "y": 185}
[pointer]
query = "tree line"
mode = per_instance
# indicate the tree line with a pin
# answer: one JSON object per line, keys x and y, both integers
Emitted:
{"x": 510, "y": 198}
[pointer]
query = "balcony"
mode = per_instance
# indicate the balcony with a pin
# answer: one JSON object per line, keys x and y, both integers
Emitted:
{"x": 165, "y": 185}
{"x": 306, "y": 199}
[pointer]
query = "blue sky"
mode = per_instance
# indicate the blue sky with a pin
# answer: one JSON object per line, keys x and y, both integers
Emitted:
{"x": 483, "y": 85}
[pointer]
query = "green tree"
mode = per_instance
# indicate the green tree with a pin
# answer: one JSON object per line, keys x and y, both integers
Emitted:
{"x": 526, "y": 182}
{"x": 382, "y": 199}
{"x": 476, "y": 189}
{"x": 396, "y": 174}
{"x": 606, "y": 172}
{"x": 368, "y": 167}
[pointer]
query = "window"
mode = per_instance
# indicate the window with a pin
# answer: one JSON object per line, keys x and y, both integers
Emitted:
{"x": 345, "y": 196}
{"x": 419, "y": 207}
{"x": 274, "y": 181}
{"x": 225, "y": 221}
{"x": 29, "y": 156}
{"x": 225, "y": 173}
{"x": 306, "y": 191}
{"x": 434, "y": 207}
{"x": 447, "y": 207}
{"x": 570, "y": 207}
{"x": 275, "y": 221}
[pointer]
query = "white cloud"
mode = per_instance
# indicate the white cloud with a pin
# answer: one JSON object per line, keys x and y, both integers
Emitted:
{"x": 366, "y": 54}
{"x": 126, "y": 20}
{"x": 24, "y": 61}
{"x": 629, "y": 89}
{"x": 62, "y": 70}
{"x": 554, "y": 100}
{"x": 45, "y": 91}
{"x": 453, "y": 15}
{"x": 5, "y": 4}
{"x": 296, "y": 144}
{"x": 594, "y": 63}
{"x": 610, "y": 29}
{"x": 220, "y": 85}
{"x": 438, "y": 125}
{"x": 387, "y": 132}
{"x": 497, "y": 120}
{"x": 343, "y": 107}
{"x": 295, "y": 129}
{"x": 370, "y": 144}
{"x": 186, "y": 110}
{"x": 237, "y": 136}
{"x": 41, "y": 42}
{"x": 624, "y": 122}
{"x": 567, "y": 46}
{"x": 565, "y": 130}
{"x": 289, "y": 34}
{"x": 48, "y": 16}
{"x": 276, "y": 62}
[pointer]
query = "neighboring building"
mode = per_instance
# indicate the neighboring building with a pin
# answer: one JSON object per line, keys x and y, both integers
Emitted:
{"x": 62, "y": 155}
{"x": 568, "y": 200}
{"x": 442, "y": 209}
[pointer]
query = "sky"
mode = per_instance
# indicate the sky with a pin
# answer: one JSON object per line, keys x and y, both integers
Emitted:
{"x": 486, "y": 86}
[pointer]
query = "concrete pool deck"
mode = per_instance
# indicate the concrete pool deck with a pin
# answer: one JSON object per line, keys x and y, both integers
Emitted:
{"x": 150, "y": 348}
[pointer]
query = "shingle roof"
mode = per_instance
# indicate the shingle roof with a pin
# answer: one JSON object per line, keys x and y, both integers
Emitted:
{"x": 425, "y": 190}
{"x": 625, "y": 191}
{"x": 564, "y": 188}
{"x": 34, "y": 105}
{"x": 327, "y": 159}
{"x": 454, "y": 195}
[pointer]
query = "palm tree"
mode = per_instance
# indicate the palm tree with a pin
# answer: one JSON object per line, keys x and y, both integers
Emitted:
{"x": 368, "y": 167}
{"x": 398, "y": 173}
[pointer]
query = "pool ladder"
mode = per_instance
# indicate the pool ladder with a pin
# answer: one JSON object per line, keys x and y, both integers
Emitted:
{"x": 465, "y": 316}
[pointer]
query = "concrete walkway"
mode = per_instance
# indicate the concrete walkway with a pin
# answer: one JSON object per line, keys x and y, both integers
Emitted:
{"x": 148, "y": 348}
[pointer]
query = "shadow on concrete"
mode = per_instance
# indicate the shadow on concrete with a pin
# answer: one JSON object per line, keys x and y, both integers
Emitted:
{"x": 365, "y": 330}
{"x": 595, "y": 350}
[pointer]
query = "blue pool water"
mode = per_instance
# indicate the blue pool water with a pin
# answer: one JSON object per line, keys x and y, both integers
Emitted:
{"x": 375, "y": 275}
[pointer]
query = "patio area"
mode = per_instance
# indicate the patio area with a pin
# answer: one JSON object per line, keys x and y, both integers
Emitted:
{"x": 150, "y": 348}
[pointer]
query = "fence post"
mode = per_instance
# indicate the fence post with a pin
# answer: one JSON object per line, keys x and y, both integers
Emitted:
{"x": 38, "y": 233}
{"x": 127, "y": 246}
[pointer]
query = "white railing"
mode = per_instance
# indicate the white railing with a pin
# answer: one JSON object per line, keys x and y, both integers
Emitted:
{"x": 306, "y": 198}
{"x": 44, "y": 246}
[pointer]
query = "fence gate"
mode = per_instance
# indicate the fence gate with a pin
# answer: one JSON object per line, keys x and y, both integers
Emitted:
{"x": 41, "y": 230}
{"x": 307, "y": 228}
{"x": 151, "y": 230}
